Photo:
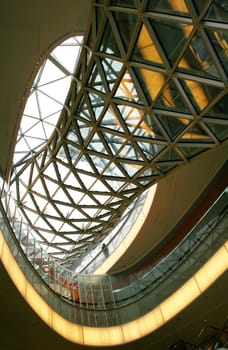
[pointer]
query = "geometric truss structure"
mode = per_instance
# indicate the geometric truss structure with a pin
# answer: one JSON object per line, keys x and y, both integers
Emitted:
{"x": 149, "y": 93}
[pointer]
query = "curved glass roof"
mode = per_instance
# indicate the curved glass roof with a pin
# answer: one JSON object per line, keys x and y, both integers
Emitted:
{"x": 149, "y": 93}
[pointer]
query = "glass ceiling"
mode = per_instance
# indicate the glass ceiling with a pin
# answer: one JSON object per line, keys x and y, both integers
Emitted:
{"x": 148, "y": 93}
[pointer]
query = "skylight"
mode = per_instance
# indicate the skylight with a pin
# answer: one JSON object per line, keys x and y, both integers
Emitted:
{"x": 47, "y": 99}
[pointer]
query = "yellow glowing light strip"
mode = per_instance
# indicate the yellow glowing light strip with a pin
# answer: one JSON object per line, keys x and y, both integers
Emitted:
{"x": 130, "y": 237}
{"x": 125, "y": 333}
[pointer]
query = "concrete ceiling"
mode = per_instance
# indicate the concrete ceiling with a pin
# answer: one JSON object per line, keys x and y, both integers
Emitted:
{"x": 28, "y": 29}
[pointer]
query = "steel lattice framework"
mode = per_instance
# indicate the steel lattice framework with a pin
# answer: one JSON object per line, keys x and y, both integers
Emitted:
{"x": 149, "y": 93}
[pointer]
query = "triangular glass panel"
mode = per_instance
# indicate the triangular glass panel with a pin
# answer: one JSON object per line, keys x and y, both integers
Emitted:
{"x": 72, "y": 136}
{"x": 179, "y": 32}
{"x": 77, "y": 193}
{"x": 218, "y": 129}
{"x": 97, "y": 144}
{"x": 31, "y": 110}
{"x": 131, "y": 187}
{"x": 83, "y": 110}
{"x": 128, "y": 196}
{"x": 29, "y": 203}
{"x": 71, "y": 181}
{"x": 190, "y": 150}
{"x": 61, "y": 196}
{"x": 54, "y": 224}
{"x": 85, "y": 130}
{"x": 63, "y": 170}
{"x": 125, "y": 23}
{"x": 49, "y": 123}
{"x": 77, "y": 214}
{"x": 52, "y": 211}
{"x": 200, "y": 94}
{"x": 62, "y": 210}
{"x": 116, "y": 185}
{"x": 111, "y": 70}
{"x": 129, "y": 151}
{"x": 196, "y": 133}
{"x": 87, "y": 200}
{"x": 171, "y": 7}
{"x": 104, "y": 215}
{"x": 24, "y": 179}
{"x": 61, "y": 241}
{"x": 169, "y": 156}
{"x": 43, "y": 225}
{"x": 35, "y": 172}
{"x": 173, "y": 125}
{"x": 35, "y": 142}
{"x": 108, "y": 43}
{"x": 73, "y": 152}
{"x": 151, "y": 82}
{"x": 97, "y": 104}
{"x": 150, "y": 129}
{"x": 91, "y": 212}
{"x": 48, "y": 72}
{"x": 114, "y": 141}
{"x": 57, "y": 90}
{"x": 217, "y": 11}
{"x": 113, "y": 171}
{"x": 147, "y": 181}
{"x": 52, "y": 251}
{"x": 84, "y": 164}
{"x": 99, "y": 162}
{"x": 126, "y": 90}
{"x": 61, "y": 155}
{"x": 46, "y": 104}
{"x": 18, "y": 157}
{"x": 66, "y": 54}
{"x": 116, "y": 203}
{"x": 131, "y": 116}
{"x": 102, "y": 198}
{"x": 112, "y": 120}
{"x": 219, "y": 110}
{"x": 131, "y": 169}
{"x": 40, "y": 199}
{"x": 171, "y": 99}
{"x": 145, "y": 50}
{"x": 96, "y": 81}
{"x": 99, "y": 186}
{"x": 200, "y": 4}
{"x": 51, "y": 186}
{"x": 150, "y": 149}
{"x": 197, "y": 60}
{"x": 87, "y": 180}
{"x": 164, "y": 168}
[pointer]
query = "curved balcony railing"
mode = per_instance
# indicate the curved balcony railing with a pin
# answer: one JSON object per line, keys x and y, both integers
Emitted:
{"x": 94, "y": 258}
{"x": 98, "y": 300}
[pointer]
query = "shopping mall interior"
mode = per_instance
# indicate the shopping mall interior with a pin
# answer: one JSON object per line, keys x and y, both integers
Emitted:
{"x": 114, "y": 173}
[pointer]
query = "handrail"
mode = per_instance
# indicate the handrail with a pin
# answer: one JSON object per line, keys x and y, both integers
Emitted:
{"x": 99, "y": 293}
{"x": 118, "y": 233}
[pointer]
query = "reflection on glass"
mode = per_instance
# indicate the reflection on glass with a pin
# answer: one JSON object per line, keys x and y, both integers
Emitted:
{"x": 145, "y": 49}
{"x": 219, "y": 39}
{"x": 169, "y": 6}
{"x": 197, "y": 59}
